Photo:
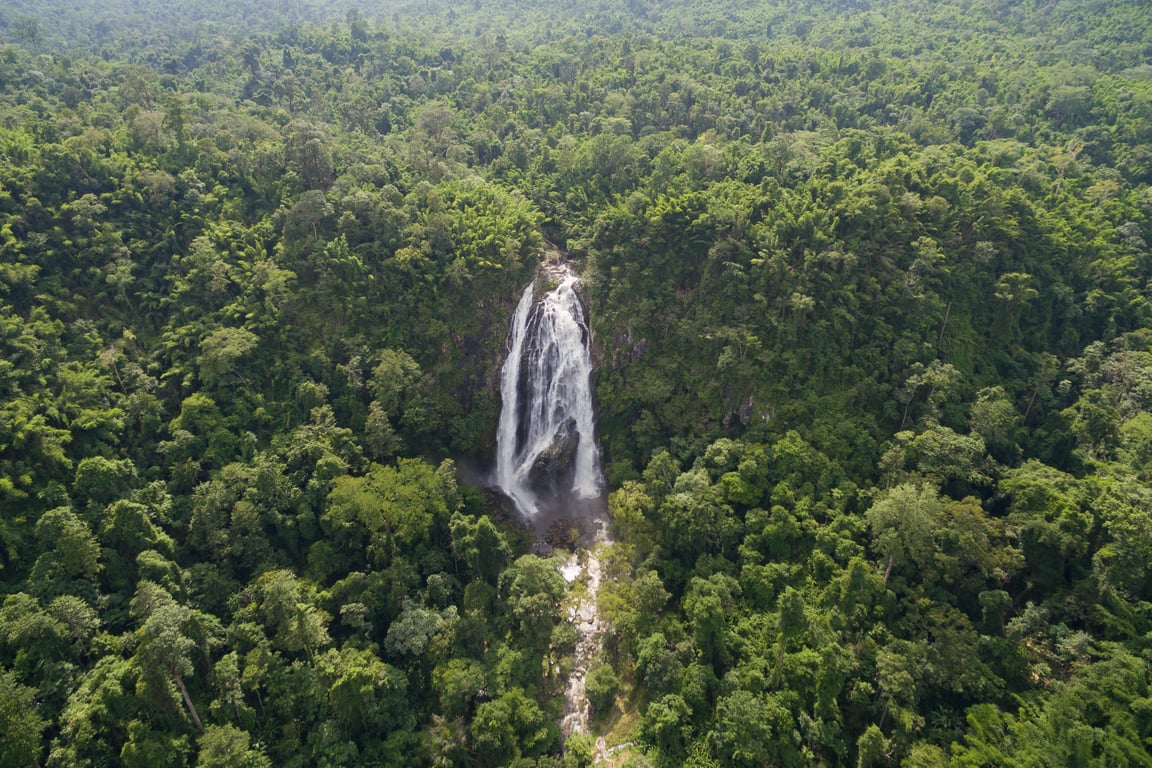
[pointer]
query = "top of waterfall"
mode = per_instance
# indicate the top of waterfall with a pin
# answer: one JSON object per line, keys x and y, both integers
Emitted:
{"x": 555, "y": 269}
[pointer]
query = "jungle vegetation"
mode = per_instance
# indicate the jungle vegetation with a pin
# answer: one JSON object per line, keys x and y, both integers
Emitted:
{"x": 869, "y": 288}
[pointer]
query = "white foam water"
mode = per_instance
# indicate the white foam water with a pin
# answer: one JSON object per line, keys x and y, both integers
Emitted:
{"x": 546, "y": 389}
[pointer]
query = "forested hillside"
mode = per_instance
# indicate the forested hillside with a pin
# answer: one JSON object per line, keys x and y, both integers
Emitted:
{"x": 868, "y": 284}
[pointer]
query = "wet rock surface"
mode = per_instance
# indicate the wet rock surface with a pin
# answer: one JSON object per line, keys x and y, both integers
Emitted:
{"x": 563, "y": 534}
{"x": 582, "y": 565}
{"x": 554, "y": 469}
{"x": 503, "y": 508}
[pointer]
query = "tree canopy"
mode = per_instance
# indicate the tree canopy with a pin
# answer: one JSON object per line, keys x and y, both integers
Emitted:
{"x": 869, "y": 302}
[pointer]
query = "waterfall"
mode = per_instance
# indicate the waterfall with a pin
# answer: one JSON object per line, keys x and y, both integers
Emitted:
{"x": 545, "y": 443}
{"x": 546, "y": 457}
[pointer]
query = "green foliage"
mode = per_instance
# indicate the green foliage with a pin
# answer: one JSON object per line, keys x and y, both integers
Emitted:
{"x": 22, "y": 724}
{"x": 73, "y": 547}
{"x": 511, "y": 726}
{"x": 601, "y": 687}
{"x": 393, "y": 510}
{"x": 222, "y": 351}
{"x": 868, "y": 297}
{"x": 224, "y": 745}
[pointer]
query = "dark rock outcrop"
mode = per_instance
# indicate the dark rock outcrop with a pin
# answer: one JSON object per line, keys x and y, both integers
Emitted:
{"x": 554, "y": 469}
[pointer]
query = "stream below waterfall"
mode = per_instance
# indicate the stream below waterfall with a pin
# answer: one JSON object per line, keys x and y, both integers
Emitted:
{"x": 582, "y": 614}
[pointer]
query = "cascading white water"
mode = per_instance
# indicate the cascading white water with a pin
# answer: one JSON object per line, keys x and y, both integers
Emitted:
{"x": 545, "y": 443}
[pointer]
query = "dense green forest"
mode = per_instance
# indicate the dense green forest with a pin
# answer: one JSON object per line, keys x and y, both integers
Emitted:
{"x": 869, "y": 290}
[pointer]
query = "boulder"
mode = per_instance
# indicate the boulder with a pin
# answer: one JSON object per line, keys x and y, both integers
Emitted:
{"x": 554, "y": 469}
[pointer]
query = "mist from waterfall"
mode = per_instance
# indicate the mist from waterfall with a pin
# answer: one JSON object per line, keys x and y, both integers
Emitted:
{"x": 545, "y": 444}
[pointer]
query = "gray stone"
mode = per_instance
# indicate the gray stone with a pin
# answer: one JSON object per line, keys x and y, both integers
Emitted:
{"x": 554, "y": 469}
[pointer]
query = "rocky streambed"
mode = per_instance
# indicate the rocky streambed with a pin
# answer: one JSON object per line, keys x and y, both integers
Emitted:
{"x": 582, "y": 571}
